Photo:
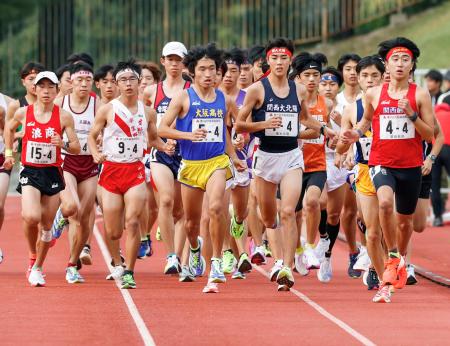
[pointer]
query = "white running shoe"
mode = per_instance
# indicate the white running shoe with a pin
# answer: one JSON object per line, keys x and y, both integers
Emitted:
{"x": 258, "y": 256}
{"x": 275, "y": 270}
{"x": 322, "y": 247}
{"x": 116, "y": 273}
{"x": 325, "y": 272}
{"x": 73, "y": 276}
{"x": 363, "y": 260}
{"x": 85, "y": 256}
{"x": 310, "y": 258}
{"x": 300, "y": 265}
{"x": 36, "y": 279}
{"x": 1, "y": 256}
{"x": 211, "y": 287}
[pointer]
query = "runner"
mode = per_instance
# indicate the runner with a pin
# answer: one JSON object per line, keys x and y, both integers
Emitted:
{"x": 401, "y": 117}
{"x": 41, "y": 178}
{"x": 202, "y": 114}
{"x": 164, "y": 168}
{"x": 246, "y": 74}
{"x": 256, "y": 57}
{"x": 126, "y": 122}
{"x": 370, "y": 71}
{"x": 347, "y": 66}
{"x": 4, "y": 173}
{"x": 80, "y": 171}
{"x": 65, "y": 84}
{"x": 276, "y": 106}
{"x": 104, "y": 82}
{"x": 151, "y": 74}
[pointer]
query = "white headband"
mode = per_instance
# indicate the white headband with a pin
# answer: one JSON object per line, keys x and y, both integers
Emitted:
{"x": 126, "y": 70}
{"x": 81, "y": 73}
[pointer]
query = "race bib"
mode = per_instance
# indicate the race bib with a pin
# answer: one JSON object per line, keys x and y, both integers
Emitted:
{"x": 41, "y": 153}
{"x": 214, "y": 128}
{"x": 319, "y": 141}
{"x": 129, "y": 148}
{"x": 289, "y": 125}
{"x": 366, "y": 144}
{"x": 83, "y": 144}
{"x": 396, "y": 127}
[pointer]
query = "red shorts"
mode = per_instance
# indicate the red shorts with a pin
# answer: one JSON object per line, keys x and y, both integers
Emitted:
{"x": 82, "y": 167}
{"x": 120, "y": 177}
{"x": 2, "y": 161}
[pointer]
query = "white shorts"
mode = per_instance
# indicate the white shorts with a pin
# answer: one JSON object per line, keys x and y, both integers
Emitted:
{"x": 272, "y": 167}
{"x": 241, "y": 178}
{"x": 336, "y": 177}
{"x": 146, "y": 162}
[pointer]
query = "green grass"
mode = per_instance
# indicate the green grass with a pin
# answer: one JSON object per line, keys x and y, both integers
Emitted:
{"x": 430, "y": 30}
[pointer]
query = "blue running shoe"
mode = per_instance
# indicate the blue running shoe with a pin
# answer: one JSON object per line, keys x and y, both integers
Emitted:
{"x": 352, "y": 258}
{"x": 59, "y": 223}
{"x": 216, "y": 274}
{"x": 197, "y": 262}
{"x": 150, "y": 249}
{"x": 143, "y": 248}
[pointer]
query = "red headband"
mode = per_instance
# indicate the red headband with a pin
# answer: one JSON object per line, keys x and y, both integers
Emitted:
{"x": 278, "y": 50}
{"x": 396, "y": 50}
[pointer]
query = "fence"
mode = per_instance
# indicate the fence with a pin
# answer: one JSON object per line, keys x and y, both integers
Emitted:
{"x": 114, "y": 29}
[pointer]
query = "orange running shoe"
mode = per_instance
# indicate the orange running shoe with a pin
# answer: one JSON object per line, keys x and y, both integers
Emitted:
{"x": 395, "y": 271}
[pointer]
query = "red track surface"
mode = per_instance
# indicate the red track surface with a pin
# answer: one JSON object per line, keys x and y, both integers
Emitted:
{"x": 249, "y": 311}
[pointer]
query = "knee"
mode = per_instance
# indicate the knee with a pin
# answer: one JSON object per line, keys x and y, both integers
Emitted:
{"x": 132, "y": 224}
{"x": 69, "y": 209}
{"x": 373, "y": 238}
{"x": 31, "y": 218}
{"x": 215, "y": 209}
{"x": 287, "y": 212}
{"x": 177, "y": 214}
{"x": 386, "y": 206}
{"x": 404, "y": 225}
{"x": 333, "y": 218}
{"x": 312, "y": 206}
{"x": 191, "y": 225}
{"x": 419, "y": 227}
{"x": 165, "y": 202}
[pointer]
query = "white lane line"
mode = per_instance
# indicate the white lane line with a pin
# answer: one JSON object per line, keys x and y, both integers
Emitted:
{"x": 361, "y": 338}
{"x": 134, "y": 312}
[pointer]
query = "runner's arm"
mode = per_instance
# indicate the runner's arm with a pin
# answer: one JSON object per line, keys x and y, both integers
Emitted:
{"x": 437, "y": 146}
{"x": 229, "y": 148}
{"x": 149, "y": 93}
{"x": 154, "y": 141}
{"x": 8, "y": 135}
{"x": 425, "y": 123}
{"x": 100, "y": 122}
{"x": 346, "y": 124}
{"x": 72, "y": 145}
{"x": 312, "y": 123}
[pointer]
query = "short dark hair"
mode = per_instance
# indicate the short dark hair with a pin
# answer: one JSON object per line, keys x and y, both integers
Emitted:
{"x": 81, "y": 66}
{"x": 153, "y": 68}
{"x": 280, "y": 42}
{"x": 60, "y": 70}
{"x": 345, "y": 58}
{"x": 236, "y": 55}
{"x": 335, "y": 72}
{"x": 301, "y": 62}
{"x": 255, "y": 53}
{"x": 371, "y": 60}
{"x": 223, "y": 68}
{"x": 102, "y": 71}
{"x": 130, "y": 63}
{"x": 75, "y": 58}
{"x": 209, "y": 51}
{"x": 31, "y": 67}
{"x": 435, "y": 75}
{"x": 386, "y": 46}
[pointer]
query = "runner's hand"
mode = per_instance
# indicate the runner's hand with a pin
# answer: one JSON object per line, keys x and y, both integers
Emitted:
{"x": 99, "y": 157}
{"x": 238, "y": 142}
{"x": 169, "y": 148}
{"x": 57, "y": 140}
{"x": 338, "y": 160}
{"x": 198, "y": 135}
{"x": 349, "y": 136}
{"x": 333, "y": 142}
{"x": 426, "y": 167}
{"x": 239, "y": 165}
{"x": 9, "y": 163}
{"x": 406, "y": 106}
{"x": 349, "y": 162}
{"x": 329, "y": 133}
{"x": 273, "y": 123}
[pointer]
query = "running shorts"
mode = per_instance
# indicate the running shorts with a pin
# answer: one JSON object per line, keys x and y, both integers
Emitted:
{"x": 272, "y": 167}
{"x": 405, "y": 182}
{"x": 197, "y": 173}
{"x": 2, "y": 161}
{"x": 363, "y": 182}
{"x": 336, "y": 177}
{"x": 118, "y": 178}
{"x": 48, "y": 180}
{"x": 318, "y": 179}
{"x": 82, "y": 167}
{"x": 173, "y": 162}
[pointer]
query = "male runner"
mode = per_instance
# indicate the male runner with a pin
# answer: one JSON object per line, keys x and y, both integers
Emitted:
{"x": 104, "y": 81}
{"x": 41, "y": 179}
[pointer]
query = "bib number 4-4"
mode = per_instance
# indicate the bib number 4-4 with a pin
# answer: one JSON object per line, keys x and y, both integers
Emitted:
{"x": 288, "y": 128}
{"x": 396, "y": 127}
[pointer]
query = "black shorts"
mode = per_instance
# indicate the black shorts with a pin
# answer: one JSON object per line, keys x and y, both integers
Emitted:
{"x": 311, "y": 179}
{"x": 425, "y": 187}
{"x": 2, "y": 161}
{"x": 173, "y": 162}
{"x": 48, "y": 180}
{"x": 405, "y": 182}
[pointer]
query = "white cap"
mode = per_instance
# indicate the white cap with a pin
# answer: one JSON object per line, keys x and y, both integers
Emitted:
{"x": 174, "y": 48}
{"x": 46, "y": 75}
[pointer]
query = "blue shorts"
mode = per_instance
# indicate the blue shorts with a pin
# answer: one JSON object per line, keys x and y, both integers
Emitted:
{"x": 173, "y": 162}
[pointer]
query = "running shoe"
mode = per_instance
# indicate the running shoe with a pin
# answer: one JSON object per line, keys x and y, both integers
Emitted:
{"x": 402, "y": 275}
{"x": 85, "y": 256}
{"x": 143, "y": 249}
{"x": 244, "y": 265}
{"x": 383, "y": 295}
{"x": 36, "y": 278}
{"x": 238, "y": 275}
{"x": 59, "y": 223}
{"x": 363, "y": 261}
{"x": 211, "y": 287}
{"x": 116, "y": 273}
{"x": 283, "y": 288}
{"x": 216, "y": 274}
{"x": 229, "y": 262}
{"x": 128, "y": 281}
{"x": 172, "y": 265}
{"x": 186, "y": 275}
{"x": 299, "y": 264}
{"x": 372, "y": 279}
{"x": 267, "y": 250}
{"x": 322, "y": 246}
{"x": 236, "y": 229}
{"x": 411, "y": 280}
{"x": 285, "y": 277}
{"x": 197, "y": 263}
{"x": 309, "y": 257}
{"x": 277, "y": 266}
{"x": 158, "y": 234}
{"x": 258, "y": 257}
{"x": 30, "y": 266}
{"x": 352, "y": 258}
{"x": 438, "y": 222}
{"x": 325, "y": 272}
{"x": 1, "y": 256}
{"x": 150, "y": 248}
{"x": 392, "y": 271}
{"x": 73, "y": 276}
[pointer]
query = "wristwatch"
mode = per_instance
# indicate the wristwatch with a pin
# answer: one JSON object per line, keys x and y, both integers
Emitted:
{"x": 432, "y": 158}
